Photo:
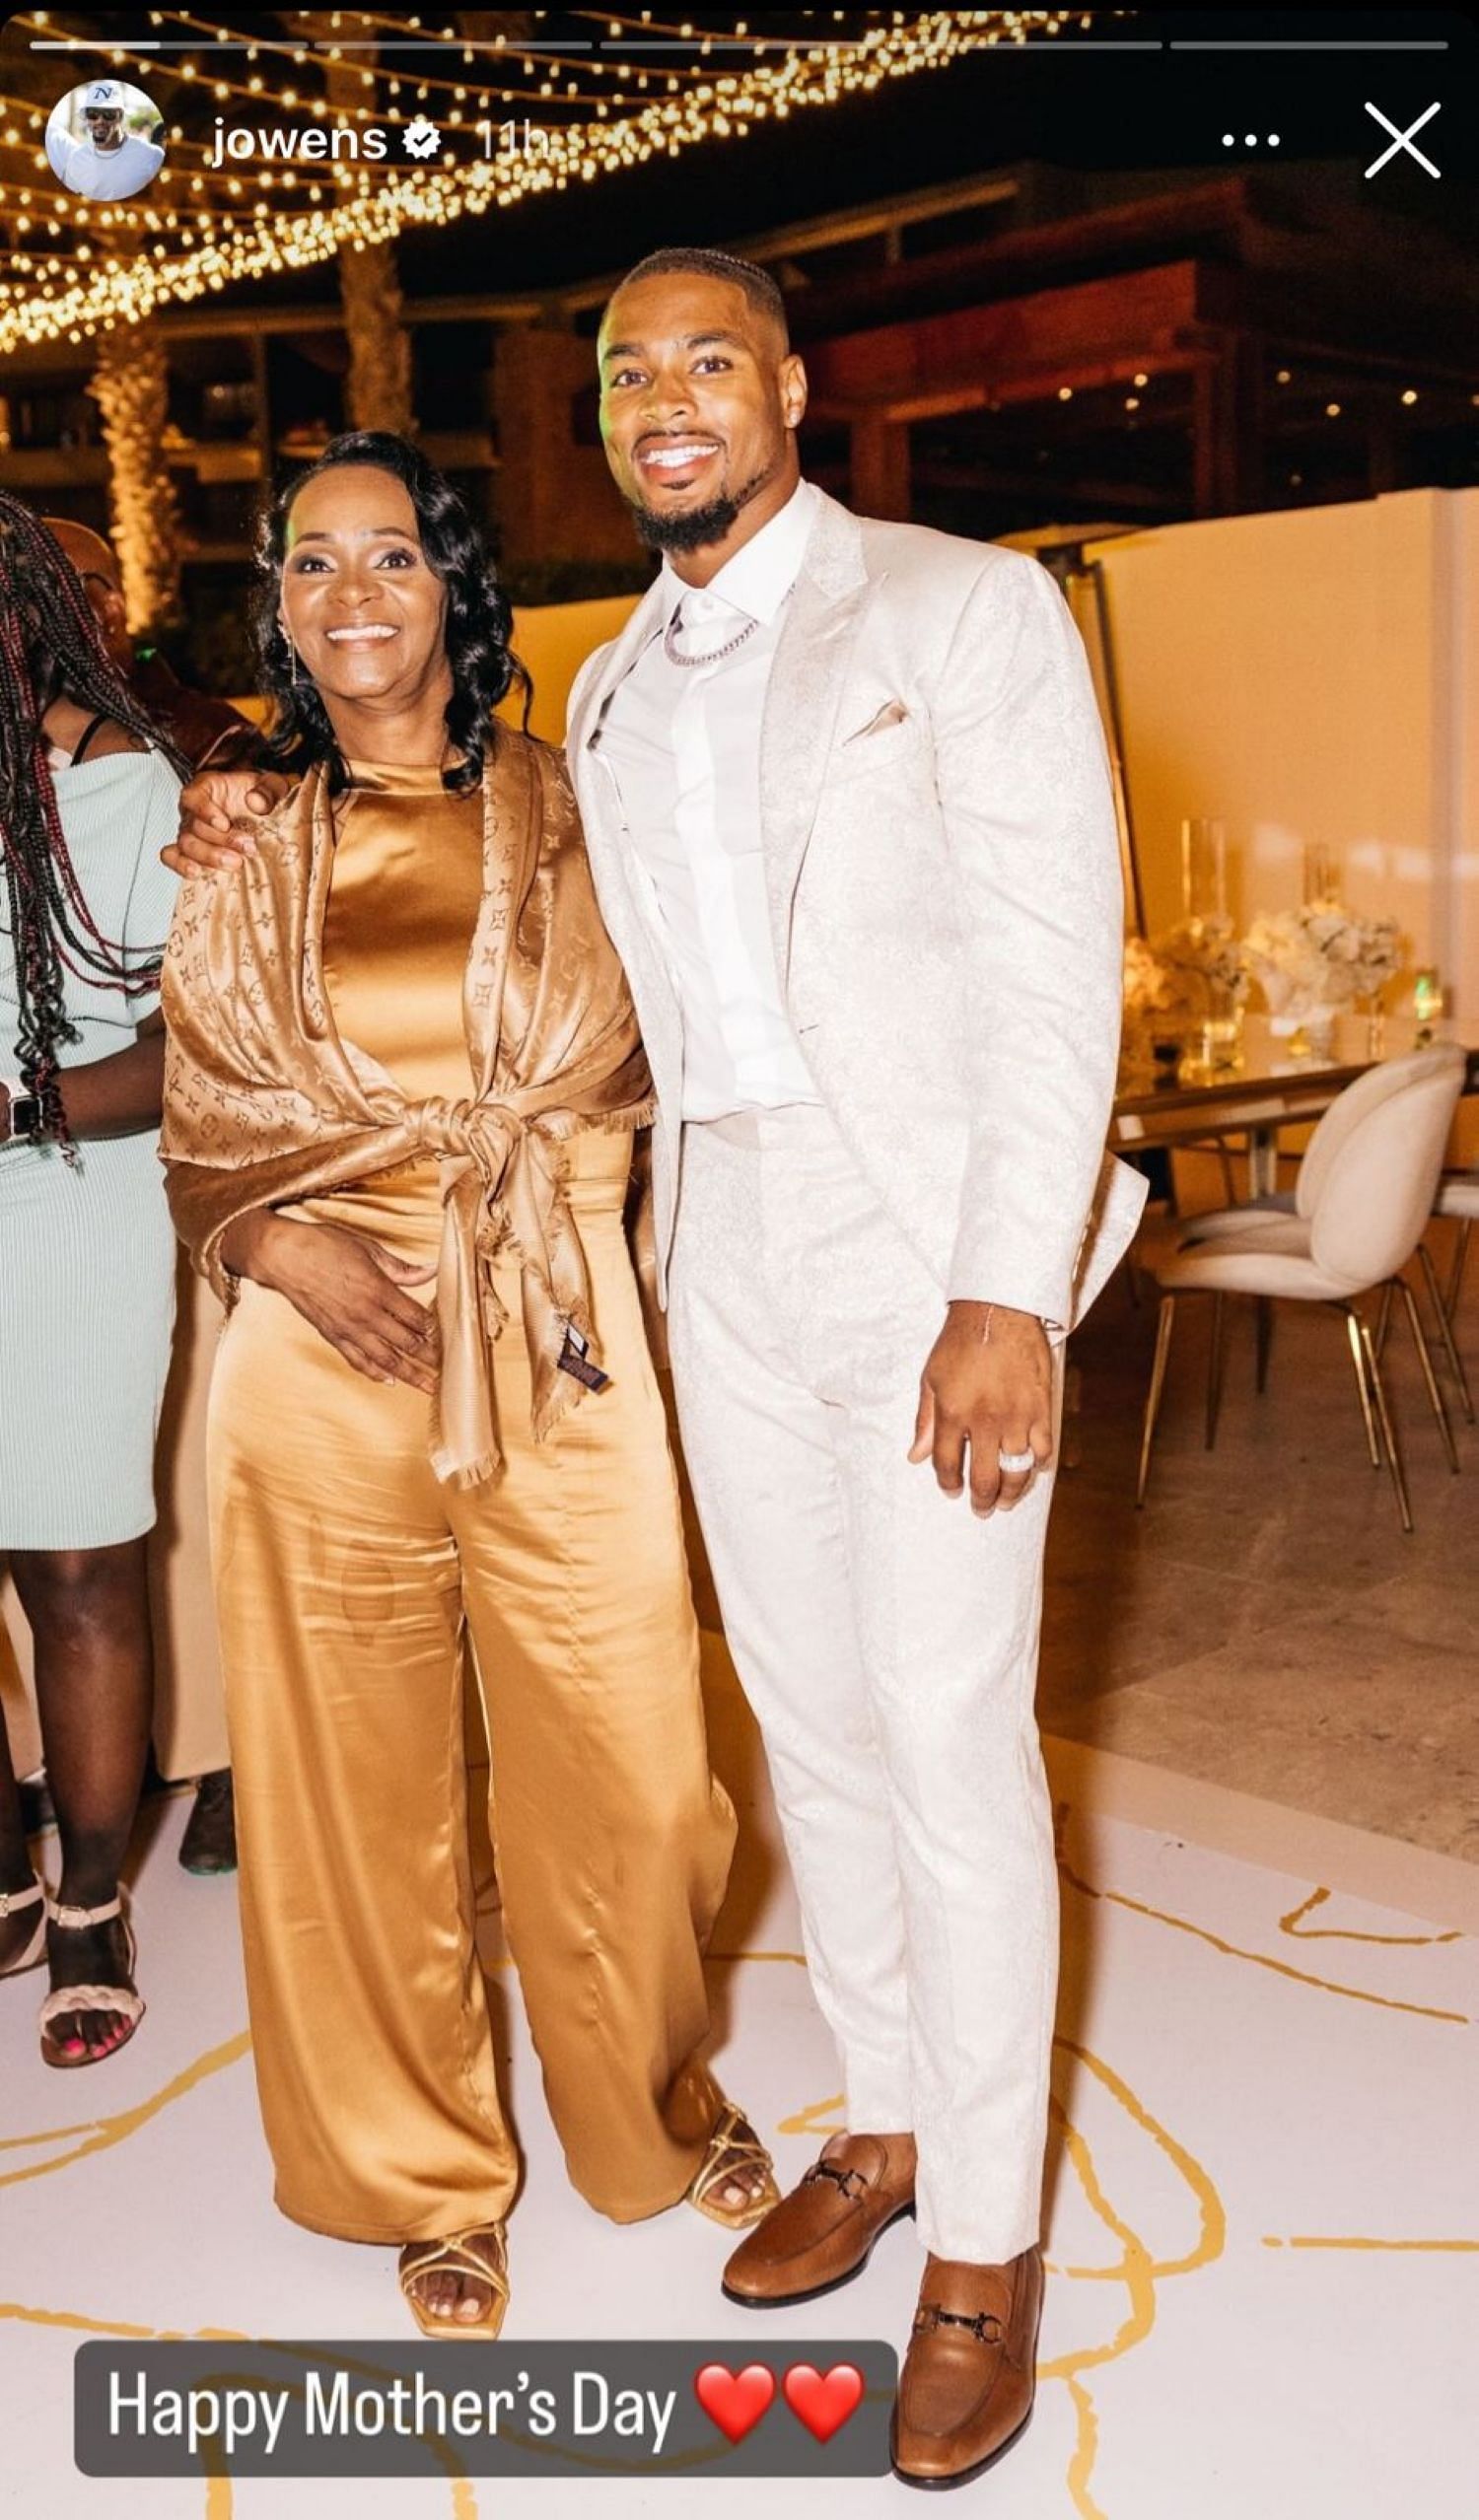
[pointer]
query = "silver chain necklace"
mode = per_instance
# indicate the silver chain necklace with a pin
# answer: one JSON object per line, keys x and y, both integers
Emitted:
{"x": 710, "y": 655}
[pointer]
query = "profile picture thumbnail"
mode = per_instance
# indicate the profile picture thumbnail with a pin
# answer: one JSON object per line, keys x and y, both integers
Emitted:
{"x": 105, "y": 140}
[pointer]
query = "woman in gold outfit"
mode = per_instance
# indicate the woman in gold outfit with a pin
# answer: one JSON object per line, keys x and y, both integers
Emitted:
{"x": 402, "y": 1083}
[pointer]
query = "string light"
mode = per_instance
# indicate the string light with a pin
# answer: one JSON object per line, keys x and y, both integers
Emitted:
{"x": 266, "y": 235}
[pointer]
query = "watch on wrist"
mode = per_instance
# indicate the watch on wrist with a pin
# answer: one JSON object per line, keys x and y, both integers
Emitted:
{"x": 24, "y": 1115}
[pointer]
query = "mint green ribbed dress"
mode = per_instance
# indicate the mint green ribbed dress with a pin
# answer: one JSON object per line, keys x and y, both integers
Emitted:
{"x": 87, "y": 1254}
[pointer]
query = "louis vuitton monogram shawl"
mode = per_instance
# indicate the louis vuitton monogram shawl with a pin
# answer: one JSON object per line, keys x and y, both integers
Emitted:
{"x": 266, "y": 1104}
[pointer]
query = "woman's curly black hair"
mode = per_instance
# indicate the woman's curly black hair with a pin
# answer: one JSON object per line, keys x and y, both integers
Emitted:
{"x": 52, "y": 649}
{"x": 484, "y": 667}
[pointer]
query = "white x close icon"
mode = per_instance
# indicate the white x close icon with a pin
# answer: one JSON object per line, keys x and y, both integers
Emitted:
{"x": 1403, "y": 140}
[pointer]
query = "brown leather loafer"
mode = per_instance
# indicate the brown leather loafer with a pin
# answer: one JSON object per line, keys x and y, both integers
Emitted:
{"x": 823, "y": 2232}
{"x": 965, "y": 2390}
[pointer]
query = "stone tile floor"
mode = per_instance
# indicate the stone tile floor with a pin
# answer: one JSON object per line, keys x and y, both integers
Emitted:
{"x": 1264, "y": 1623}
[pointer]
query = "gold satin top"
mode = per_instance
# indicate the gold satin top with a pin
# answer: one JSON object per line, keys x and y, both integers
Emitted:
{"x": 402, "y": 904}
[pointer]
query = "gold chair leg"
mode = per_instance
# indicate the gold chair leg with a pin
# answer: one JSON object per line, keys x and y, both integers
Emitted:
{"x": 1358, "y": 1358}
{"x": 1263, "y": 1314}
{"x": 1456, "y": 1275}
{"x": 1164, "y": 1325}
{"x": 1425, "y": 1359}
{"x": 1215, "y": 1371}
{"x": 1446, "y": 1330}
{"x": 1383, "y": 1318}
{"x": 1384, "y": 1412}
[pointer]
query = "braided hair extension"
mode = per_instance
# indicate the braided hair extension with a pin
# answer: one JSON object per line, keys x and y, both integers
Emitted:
{"x": 478, "y": 619}
{"x": 52, "y": 649}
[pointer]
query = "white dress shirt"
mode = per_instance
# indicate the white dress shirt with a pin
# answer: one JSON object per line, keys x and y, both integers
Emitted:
{"x": 684, "y": 744}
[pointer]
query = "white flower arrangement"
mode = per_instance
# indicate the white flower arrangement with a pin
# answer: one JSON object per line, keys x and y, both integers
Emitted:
{"x": 1320, "y": 955}
{"x": 1147, "y": 981}
{"x": 1208, "y": 953}
{"x": 1177, "y": 972}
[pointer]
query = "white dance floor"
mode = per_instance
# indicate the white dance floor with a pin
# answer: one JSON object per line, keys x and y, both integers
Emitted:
{"x": 1263, "y": 2230}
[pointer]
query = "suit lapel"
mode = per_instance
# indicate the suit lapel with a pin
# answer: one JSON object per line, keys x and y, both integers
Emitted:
{"x": 614, "y": 868}
{"x": 617, "y": 662}
{"x": 607, "y": 844}
{"x": 825, "y": 613}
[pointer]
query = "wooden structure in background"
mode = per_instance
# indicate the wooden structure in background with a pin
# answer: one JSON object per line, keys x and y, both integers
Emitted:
{"x": 1033, "y": 344}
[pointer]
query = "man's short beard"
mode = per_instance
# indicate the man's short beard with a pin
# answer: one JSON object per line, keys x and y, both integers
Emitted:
{"x": 690, "y": 528}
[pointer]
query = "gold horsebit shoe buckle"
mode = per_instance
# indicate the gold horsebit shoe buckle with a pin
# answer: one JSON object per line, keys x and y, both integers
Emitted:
{"x": 985, "y": 2327}
{"x": 834, "y": 2171}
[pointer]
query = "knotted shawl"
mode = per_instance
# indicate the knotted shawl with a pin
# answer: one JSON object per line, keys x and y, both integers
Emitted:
{"x": 266, "y": 1104}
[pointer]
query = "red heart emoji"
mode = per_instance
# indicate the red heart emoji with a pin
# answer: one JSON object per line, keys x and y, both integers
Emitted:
{"x": 823, "y": 2405}
{"x": 734, "y": 2400}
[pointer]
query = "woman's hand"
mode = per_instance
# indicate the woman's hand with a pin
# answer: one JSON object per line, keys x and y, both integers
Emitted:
{"x": 216, "y": 813}
{"x": 347, "y": 1286}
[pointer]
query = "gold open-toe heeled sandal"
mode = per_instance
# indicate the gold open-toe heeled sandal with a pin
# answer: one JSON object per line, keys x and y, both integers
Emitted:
{"x": 89, "y": 1997}
{"x": 732, "y": 2145}
{"x": 11, "y": 1902}
{"x": 486, "y": 2261}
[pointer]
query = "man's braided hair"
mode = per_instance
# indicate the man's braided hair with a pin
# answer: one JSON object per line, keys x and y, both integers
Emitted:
{"x": 52, "y": 649}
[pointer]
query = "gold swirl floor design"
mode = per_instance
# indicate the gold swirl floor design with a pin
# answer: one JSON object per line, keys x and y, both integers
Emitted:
{"x": 1262, "y": 1959}
{"x": 1401, "y": 2248}
{"x": 101, "y": 2133}
{"x": 1293, "y": 1925}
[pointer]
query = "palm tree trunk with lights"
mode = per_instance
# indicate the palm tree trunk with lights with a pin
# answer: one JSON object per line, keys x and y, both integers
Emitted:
{"x": 378, "y": 391}
{"x": 131, "y": 387}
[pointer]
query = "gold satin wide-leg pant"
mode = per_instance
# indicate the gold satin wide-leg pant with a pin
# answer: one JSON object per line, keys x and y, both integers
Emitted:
{"x": 347, "y": 1579}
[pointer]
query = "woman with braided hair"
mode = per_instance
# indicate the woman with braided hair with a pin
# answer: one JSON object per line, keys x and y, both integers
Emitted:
{"x": 87, "y": 797}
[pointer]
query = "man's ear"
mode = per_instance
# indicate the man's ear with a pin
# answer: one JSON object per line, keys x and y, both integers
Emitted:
{"x": 793, "y": 389}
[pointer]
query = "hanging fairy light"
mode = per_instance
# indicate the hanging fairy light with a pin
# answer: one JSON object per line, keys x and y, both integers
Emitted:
{"x": 251, "y": 223}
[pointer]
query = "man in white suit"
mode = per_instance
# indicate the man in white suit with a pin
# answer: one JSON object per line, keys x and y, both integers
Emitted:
{"x": 848, "y": 808}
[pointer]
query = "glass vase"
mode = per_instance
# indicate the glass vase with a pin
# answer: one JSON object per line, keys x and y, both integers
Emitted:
{"x": 1204, "y": 868}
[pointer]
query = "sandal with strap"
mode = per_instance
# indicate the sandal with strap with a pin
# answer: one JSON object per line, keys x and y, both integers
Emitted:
{"x": 89, "y": 1997}
{"x": 455, "y": 2255}
{"x": 732, "y": 2145}
{"x": 35, "y": 1948}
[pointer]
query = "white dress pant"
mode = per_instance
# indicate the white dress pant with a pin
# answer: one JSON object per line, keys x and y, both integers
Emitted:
{"x": 886, "y": 1638}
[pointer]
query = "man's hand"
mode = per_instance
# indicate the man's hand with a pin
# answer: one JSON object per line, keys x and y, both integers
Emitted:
{"x": 348, "y": 1288}
{"x": 215, "y": 820}
{"x": 987, "y": 1382}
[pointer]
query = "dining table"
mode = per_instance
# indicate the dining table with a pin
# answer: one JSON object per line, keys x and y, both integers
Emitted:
{"x": 1269, "y": 1088}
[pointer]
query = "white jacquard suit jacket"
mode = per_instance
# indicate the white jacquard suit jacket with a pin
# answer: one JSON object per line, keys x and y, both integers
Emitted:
{"x": 943, "y": 870}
